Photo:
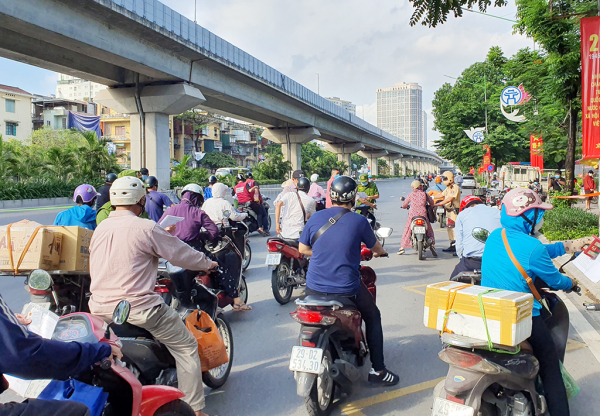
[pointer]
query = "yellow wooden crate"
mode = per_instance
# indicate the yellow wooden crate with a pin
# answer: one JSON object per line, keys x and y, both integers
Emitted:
{"x": 508, "y": 313}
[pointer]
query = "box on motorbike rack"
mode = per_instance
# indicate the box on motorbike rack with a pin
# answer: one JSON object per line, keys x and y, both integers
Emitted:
{"x": 41, "y": 248}
{"x": 75, "y": 254}
{"x": 508, "y": 313}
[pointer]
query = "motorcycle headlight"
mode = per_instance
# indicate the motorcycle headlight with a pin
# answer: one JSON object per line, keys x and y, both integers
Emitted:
{"x": 40, "y": 280}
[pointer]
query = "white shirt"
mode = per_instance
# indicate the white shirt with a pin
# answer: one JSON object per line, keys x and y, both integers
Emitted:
{"x": 214, "y": 208}
{"x": 293, "y": 218}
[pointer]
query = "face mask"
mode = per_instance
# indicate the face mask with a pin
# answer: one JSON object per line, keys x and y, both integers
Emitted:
{"x": 336, "y": 176}
{"x": 144, "y": 177}
{"x": 557, "y": 176}
{"x": 364, "y": 183}
{"x": 538, "y": 226}
{"x": 590, "y": 174}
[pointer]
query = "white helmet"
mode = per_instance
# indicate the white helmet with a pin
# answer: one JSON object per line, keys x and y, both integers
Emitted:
{"x": 314, "y": 177}
{"x": 127, "y": 191}
{"x": 192, "y": 187}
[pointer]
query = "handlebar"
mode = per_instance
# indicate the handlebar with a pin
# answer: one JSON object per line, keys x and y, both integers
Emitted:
{"x": 592, "y": 306}
{"x": 105, "y": 364}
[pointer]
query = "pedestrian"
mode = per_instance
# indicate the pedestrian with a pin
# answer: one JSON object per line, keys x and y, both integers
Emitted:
{"x": 334, "y": 174}
{"x": 558, "y": 182}
{"x": 589, "y": 186}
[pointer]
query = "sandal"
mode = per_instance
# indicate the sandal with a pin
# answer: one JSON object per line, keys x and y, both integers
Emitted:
{"x": 401, "y": 251}
{"x": 241, "y": 307}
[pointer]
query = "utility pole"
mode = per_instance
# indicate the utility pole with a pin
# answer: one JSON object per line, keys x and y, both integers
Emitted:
{"x": 318, "y": 82}
{"x": 196, "y": 9}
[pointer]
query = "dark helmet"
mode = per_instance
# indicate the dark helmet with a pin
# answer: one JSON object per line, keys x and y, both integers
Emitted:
{"x": 151, "y": 182}
{"x": 343, "y": 190}
{"x": 212, "y": 180}
{"x": 249, "y": 175}
{"x": 240, "y": 177}
{"x": 303, "y": 184}
{"x": 111, "y": 177}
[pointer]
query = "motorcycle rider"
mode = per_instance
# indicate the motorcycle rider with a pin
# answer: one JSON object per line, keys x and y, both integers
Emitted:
{"x": 335, "y": 173}
{"x": 451, "y": 203}
{"x": 157, "y": 199}
{"x": 417, "y": 200}
{"x": 194, "y": 218}
{"x": 369, "y": 188}
{"x": 143, "y": 175}
{"x": 473, "y": 214}
{"x": 522, "y": 216}
{"x": 208, "y": 190}
{"x": 335, "y": 262}
{"x": 291, "y": 185}
{"x": 124, "y": 254}
{"x": 297, "y": 209}
{"x": 105, "y": 210}
{"x": 29, "y": 356}
{"x": 216, "y": 205}
{"x": 257, "y": 196}
{"x": 82, "y": 214}
{"x": 104, "y": 190}
{"x": 315, "y": 191}
{"x": 244, "y": 193}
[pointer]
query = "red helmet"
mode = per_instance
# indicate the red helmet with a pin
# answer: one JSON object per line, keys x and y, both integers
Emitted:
{"x": 468, "y": 201}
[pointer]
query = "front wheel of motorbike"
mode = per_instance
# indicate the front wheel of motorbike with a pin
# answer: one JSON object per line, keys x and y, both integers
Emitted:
{"x": 243, "y": 290}
{"x": 420, "y": 249}
{"x": 247, "y": 256}
{"x": 282, "y": 291}
{"x": 175, "y": 408}
{"x": 216, "y": 377}
{"x": 320, "y": 400}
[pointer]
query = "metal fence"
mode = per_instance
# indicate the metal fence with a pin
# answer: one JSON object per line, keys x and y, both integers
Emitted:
{"x": 223, "y": 51}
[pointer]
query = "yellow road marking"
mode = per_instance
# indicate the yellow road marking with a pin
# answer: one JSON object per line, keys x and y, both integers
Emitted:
{"x": 355, "y": 408}
{"x": 573, "y": 345}
{"x": 414, "y": 290}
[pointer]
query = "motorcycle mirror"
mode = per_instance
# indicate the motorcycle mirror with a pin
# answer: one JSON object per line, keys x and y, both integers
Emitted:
{"x": 480, "y": 234}
{"x": 384, "y": 232}
{"x": 226, "y": 213}
{"x": 39, "y": 280}
{"x": 121, "y": 313}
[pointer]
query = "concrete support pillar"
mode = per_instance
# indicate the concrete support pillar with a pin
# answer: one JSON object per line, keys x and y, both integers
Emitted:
{"x": 344, "y": 152}
{"x": 372, "y": 157}
{"x": 391, "y": 160}
{"x": 150, "y": 140}
{"x": 291, "y": 140}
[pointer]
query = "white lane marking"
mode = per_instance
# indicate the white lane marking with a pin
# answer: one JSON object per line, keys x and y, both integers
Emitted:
{"x": 585, "y": 330}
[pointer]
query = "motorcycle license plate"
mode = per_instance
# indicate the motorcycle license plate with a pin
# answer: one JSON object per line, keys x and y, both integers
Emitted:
{"x": 419, "y": 230}
{"x": 443, "y": 407}
{"x": 306, "y": 359}
{"x": 440, "y": 210}
{"x": 273, "y": 259}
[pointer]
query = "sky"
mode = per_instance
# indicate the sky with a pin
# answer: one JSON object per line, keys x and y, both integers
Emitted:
{"x": 354, "y": 46}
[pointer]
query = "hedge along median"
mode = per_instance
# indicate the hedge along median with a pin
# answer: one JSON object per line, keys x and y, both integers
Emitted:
{"x": 563, "y": 223}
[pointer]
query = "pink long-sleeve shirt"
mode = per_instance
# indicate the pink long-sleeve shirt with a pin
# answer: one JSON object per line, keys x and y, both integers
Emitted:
{"x": 124, "y": 254}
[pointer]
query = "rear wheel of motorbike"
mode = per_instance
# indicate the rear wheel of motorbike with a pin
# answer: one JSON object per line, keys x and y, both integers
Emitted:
{"x": 175, "y": 408}
{"x": 247, "y": 255}
{"x": 420, "y": 250}
{"x": 281, "y": 290}
{"x": 216, "y": 377}
{"x": 440, "y": 220}
{"x": 319, "y": 401}
{"x": 243, "y": 290}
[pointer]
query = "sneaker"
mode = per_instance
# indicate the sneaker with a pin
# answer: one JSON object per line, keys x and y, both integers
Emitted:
{"x": 386, "y": 378}
{"x": 451, "y": 249}
{"x": 432, "y": 248}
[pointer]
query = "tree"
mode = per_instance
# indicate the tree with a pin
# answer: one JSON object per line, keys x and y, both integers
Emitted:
{"x": 93, "y": 159}
{"x": 382, "y": 167}
{"x": 433, "y": 12}
{"x": 216, "y": 160}
{"x": 357, "y": 160}
{"x": 274, "y": 167}
{"x": 319, "y": 161}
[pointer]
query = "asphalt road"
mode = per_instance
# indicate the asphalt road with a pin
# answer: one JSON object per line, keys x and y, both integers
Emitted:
{"x": 260, "y": 382}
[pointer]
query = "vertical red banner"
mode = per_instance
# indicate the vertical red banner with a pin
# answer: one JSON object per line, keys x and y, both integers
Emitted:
{"x": 487, "y": 157}
{"x": 536, "y": 153}
{"x": 590, "y": 86}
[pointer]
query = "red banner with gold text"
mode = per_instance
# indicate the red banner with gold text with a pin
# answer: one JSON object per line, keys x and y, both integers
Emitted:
{"x": 487, "y": 157}
{"x": 536, "y": 155}
{"x": 590, "y": 86}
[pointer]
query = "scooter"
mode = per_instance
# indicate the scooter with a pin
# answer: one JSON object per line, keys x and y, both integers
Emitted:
{"x": 331, "y": 346}
{"x": 288, "y": 266}
{"x": 252, "y": 219}
{"x": 126, "y": 395}
{"x": 418, "y": 227}
{"x": 483, "y": 382}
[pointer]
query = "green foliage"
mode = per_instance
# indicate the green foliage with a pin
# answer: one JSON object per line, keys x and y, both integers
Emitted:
{"x": 559, "y": 202}
{"x": 41, "y": 188}
{"x": 569, "y": 223}
{"x": 183, "y": 173}
{"x": 319, "y": 161}
{"x": 357, "y": 160}
{"x": 273, "y": 148}
{"x": 274, "y": 167}
{"x": 383, "y": 167}
{"x": 216, "y": 160}
{"x": 433, "y": 12}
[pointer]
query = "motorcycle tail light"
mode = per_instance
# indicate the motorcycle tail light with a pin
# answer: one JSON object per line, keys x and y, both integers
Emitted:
{"x": 274, "y": 246}
{"x": 308, "y": 344}
{"x": 455, "y": 399}
{"x": 304, "y": 316}
{"x": 469, "y": 360}
{"x": 419, "y": 222}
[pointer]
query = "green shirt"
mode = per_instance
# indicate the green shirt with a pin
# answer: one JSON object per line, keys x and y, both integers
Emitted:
{"x": 107, "y": 208}
{"x": 370, "y": 190}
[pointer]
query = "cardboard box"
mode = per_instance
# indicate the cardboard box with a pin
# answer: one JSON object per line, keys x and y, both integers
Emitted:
{"x": 508, "y": 313}
{"x": 75, "y": 254}
{"x": 43, "y": 253}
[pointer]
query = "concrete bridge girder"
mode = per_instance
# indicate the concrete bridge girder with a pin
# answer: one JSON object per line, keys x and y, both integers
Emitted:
{"x": 344, "y": 152}
{"x": 291, "y": 140}
{"x": 372, "y": 156}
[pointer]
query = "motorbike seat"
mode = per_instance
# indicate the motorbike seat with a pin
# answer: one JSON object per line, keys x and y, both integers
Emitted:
{"x": 326, "y": 300}
{"x": 128, "y": 330}
{"x": 286, "y": 241}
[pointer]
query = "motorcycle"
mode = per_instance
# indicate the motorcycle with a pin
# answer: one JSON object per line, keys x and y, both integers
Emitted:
{"x": 289, "y": 268}
{"x": 365, "y": 211}
{"x": 331, "y": 346}
{"x": 126, "y": 396}
{"x": 440, "y": 212}
{"x": 320, "y": 204}
{"x": 499, "y": 382}
{"x": 252, "y": 220}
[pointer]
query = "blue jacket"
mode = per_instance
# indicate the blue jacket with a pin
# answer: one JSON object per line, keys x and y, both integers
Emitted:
{"x": 80, "y": 215}
{"x": 207, "y": 192}
{"x": 498, "y": 271}
{"x": 29, "y": 356}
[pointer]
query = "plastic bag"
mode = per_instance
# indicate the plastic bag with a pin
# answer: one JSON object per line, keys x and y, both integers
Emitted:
{"x": 570, "y": 384}
{"x": 211, "y": 347}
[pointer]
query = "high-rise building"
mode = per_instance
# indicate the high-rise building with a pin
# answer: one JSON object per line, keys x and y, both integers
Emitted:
{"x": 424, "y": 129}
{"x": 346, "y": 105}
{"x": 73, "y": 88}
{"x": 400, "y": 112}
